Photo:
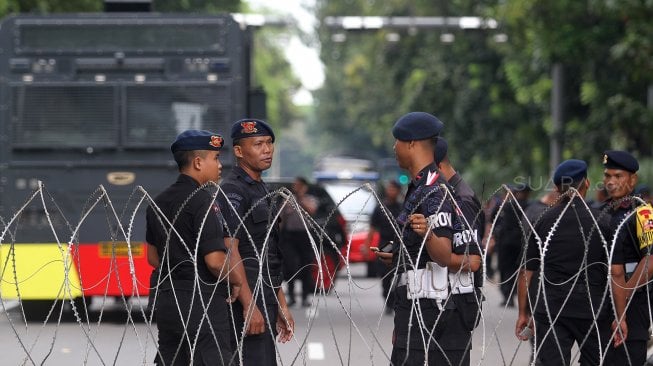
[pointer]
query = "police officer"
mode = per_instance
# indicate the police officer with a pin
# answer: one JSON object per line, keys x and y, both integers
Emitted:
{"x": 185, "y": 237}
{"x": 261, "y": 312}
{"x": 296, "y": 244}
{"x": 511, "y": 238}
{"x": 631, "y": 254}
{"x": 424, "y": 250}
{"x": 573, "y": 289}
{"x": 383, "y": 222}
{"x": 465, "y": 276}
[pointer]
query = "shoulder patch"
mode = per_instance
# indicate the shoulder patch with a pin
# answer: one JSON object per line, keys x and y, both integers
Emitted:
{"x": 234, "y": 196}
{"x": 235, "y": 199}
{"x": 645, "y": 226}
{"x": 434, "y": 202}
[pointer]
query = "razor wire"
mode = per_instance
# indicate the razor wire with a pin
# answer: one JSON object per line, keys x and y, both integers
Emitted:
{"x": 355, "y": 334}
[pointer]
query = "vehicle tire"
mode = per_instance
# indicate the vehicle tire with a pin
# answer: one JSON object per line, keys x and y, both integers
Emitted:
{"x": 37, "y": 310}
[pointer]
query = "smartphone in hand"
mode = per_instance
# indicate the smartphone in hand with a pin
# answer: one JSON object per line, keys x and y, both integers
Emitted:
{"x": 387, "y": 248}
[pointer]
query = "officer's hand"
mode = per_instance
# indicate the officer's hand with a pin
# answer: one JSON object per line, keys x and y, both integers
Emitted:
{"x": 620, "y": 332}
{"x": 385, "y": 258}
{"x": 419, "y": 224}
{"x": 285, "y": 325}
{"x": 235, "y": 291}
{"x": 523, "y": 322}
{"x": 256, "y": 323}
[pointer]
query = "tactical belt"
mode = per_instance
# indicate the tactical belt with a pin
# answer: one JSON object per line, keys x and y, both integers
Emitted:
{"x": 456, "y": 290}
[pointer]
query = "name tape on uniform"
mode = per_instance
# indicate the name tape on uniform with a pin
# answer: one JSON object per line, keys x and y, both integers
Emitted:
{"x": 440, "y": 219}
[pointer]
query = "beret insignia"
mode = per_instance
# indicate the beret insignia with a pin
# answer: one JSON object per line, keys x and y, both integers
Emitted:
{"x": 216, "y": 141}
{"x": 249, "y": 127}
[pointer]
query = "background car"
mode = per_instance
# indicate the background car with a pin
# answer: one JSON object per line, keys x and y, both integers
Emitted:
{"x": 352, "y": 190}
{"x": 356, "y": 202}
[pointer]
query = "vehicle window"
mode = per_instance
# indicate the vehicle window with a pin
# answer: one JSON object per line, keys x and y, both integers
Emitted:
{"x": 362, "y": 202}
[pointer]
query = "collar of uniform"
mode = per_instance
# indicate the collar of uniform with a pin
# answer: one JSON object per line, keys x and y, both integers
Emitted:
{"x": 185, "y": 178}
{"x": 565, "y": 199}
{"x": 622, "y": 203}
{"x": 243, "y": 174}
{"x": 423, "y": 175}
{"x": 455, "y": 180}
{"x": 628, "y": 201}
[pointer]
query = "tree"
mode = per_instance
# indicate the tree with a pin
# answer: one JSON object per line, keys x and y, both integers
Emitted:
{"x": 48, "y": 6}
{"x": 274, "y": 74}
{"x": 370, "y": 82}
{"x": 495, "y": 97}
{"x": 606, "y": 89}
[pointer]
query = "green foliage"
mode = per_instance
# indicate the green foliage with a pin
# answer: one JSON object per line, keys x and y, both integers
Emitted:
{"x": 495, "y": 97}
{"x": 273, "y": 73}
{"x": 49, "y": 6}
{"x": 606, "y": 51}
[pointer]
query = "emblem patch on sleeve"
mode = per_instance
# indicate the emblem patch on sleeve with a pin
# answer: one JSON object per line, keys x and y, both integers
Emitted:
{"x": 235, "y": 199}
{"x": 645, "y": 226}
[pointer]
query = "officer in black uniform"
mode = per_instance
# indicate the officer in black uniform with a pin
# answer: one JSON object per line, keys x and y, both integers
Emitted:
{"x": 511, "y": 238}
{"x": 185, "y": 237}
{"x": 631, "y": 254}
{"x": 573, "y": 290}
{"x": 465, "y": 274}
{"x": 261, "y": 312}
{"x": 383, "y": 221}
{"x": 424, "y": 250}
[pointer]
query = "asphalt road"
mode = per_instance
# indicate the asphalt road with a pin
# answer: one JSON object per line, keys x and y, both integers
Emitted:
{"x": 349, "y": 327}
{"x": 346, "y": 327}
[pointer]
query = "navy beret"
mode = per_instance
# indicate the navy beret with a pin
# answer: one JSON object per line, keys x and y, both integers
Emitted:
{"x": 197, "y": 140}
{"x": 441, "y": 148}
{"x": 250, "y": 127}
{"x": 417, "y": 126}
{"x": 616, "y": 159}
{"x": 570, "y": 171}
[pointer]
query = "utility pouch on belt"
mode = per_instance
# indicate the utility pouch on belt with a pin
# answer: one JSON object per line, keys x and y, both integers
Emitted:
{"x": 431, "y": 282}
{"x": 461, "y": 282}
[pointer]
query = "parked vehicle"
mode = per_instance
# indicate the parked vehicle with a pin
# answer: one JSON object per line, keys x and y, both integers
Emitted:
{"x": 94, "y": 100}
{"x": 356, "y": 202}
{"x": 351, "y": 183}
